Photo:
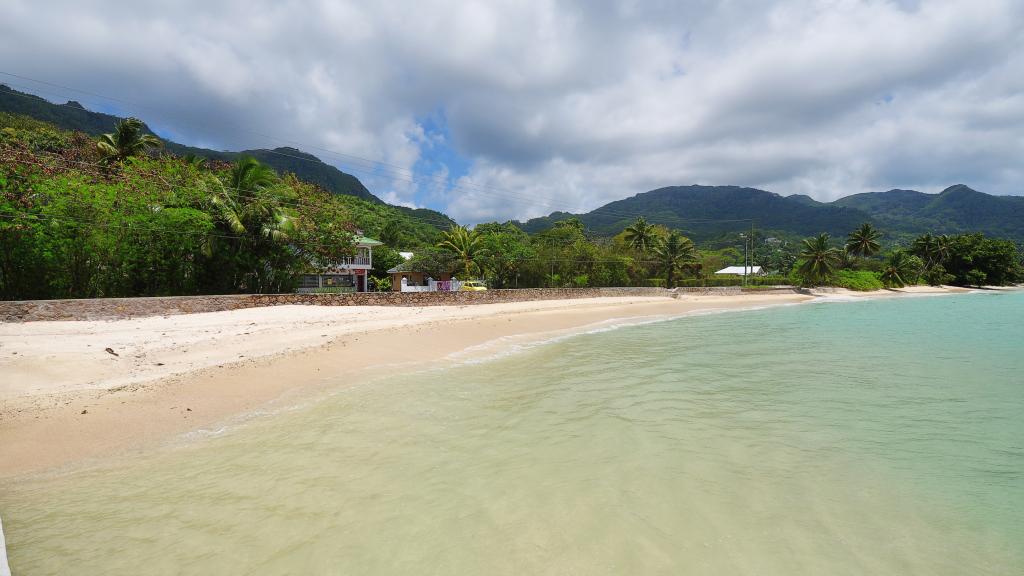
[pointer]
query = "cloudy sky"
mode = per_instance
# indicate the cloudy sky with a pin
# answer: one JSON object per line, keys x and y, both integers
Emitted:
{"x": 510, "y": 109}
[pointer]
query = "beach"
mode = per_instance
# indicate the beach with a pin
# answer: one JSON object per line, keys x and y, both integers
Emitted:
{"x": 75, "y": 391}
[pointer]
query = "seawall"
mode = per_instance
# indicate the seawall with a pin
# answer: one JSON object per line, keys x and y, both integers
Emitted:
{"x": 114, "y": 308}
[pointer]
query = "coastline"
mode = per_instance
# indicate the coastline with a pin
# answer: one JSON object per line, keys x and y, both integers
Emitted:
{"x": 65, "y": 400}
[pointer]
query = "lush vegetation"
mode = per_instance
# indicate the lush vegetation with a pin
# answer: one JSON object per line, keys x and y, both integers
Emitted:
{"x": 963, "y": 260}
{"x": 117, "y": 214}
{"x": 86, "y": 217}
{"x": 859, "y": 280}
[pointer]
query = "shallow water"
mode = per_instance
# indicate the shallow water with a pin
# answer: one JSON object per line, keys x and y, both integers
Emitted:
{"x": 878, "y": 437}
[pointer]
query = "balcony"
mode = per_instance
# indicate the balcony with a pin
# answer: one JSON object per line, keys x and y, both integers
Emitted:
{"x": 361, "y": 260}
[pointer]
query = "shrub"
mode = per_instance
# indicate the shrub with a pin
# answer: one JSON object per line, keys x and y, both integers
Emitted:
{"x": 859, "y": 280}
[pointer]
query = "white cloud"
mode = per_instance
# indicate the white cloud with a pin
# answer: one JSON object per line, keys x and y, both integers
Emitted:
{"x": 566, "y": 105}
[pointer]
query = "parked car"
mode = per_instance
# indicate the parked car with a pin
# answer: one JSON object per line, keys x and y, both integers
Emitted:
{"x": 472, "y": 286}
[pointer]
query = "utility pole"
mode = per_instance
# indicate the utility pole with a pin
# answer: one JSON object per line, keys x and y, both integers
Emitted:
{"x": 751, "y": 245}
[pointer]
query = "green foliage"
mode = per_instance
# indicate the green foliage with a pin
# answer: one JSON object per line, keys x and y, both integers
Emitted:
{"x": 641, "y": 236}
{"x": 975, "y": 260}
{"x": 818, "y": 261}
{"x": 42, "y": 119}
{"x": 435, "y": 262}
{"x": 152, "y": 226}
{"x": 127, "y": 140}
{"x": 706, "y": 213}
{"x": 859, "y": 280}
{"x": 675, "y": 254}
{"x": 404, "y": 232}
{"x": 384, "y": 259}
{"x": 900, "y": 269}
{"x": 466, "y": 245}
{"x": 382, "y": 283}
{"x": 505, "y": 249}
{"x": 937, "y": 276}
{"x": 863, "y": 242}
{"x": 968, "y": 260}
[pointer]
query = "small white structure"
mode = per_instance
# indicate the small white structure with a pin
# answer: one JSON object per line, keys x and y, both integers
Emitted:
{"x": 741, "y": 271}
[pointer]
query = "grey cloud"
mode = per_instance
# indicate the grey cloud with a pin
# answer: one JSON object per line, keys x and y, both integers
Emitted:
{"x": 566, "y": 105}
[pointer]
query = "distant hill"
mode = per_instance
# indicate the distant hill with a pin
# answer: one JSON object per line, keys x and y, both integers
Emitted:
{"x": 72, "y": 116}
{"x": 707, "y": 212}
{"x": 956, "y": 209}
{"x": 704, "y": 212}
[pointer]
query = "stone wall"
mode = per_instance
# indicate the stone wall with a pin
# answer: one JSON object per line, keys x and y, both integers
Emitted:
{"x": 111, "y": 308}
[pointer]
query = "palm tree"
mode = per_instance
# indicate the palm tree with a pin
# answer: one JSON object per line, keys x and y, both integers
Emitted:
{"x": 943, "y": 246}
{"x": 674, "y": 254}
{"x": 251, "y": 202}
{"x": 125, "y": 141}
{"x": 863, "y": 242}
{"x": 252, "y": 210}
{"x": 934, "y": 250}
{"x": 641, "y": 235}
{"x": 249, "y": 175}
{"x": 463, "y": 242}
{"x": 818, "y": 259}
{"x": 924, "y": 247}
{"x": 899, "y": 268}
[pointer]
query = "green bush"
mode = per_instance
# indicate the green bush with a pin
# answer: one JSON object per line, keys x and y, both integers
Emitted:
{"x": 859, "y": 280}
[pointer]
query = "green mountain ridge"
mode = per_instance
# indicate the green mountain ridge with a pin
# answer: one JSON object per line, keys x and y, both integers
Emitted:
{"x": 73, "y": 116}
{"x": 707, "y": 212}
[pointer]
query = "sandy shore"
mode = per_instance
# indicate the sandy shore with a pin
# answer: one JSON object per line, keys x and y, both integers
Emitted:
{"x": 75, "y": 391}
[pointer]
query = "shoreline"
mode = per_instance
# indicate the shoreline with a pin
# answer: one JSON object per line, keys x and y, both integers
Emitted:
{"x": 68, "y": 401}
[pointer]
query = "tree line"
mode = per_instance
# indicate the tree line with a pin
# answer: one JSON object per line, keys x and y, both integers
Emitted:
{"x": 964, "y": 260}
{"x": 82, "y": 218}
{"x": 111, "y": 216}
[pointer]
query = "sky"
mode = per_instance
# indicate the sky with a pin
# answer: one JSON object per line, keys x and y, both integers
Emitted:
{"x": 503, "y": 110}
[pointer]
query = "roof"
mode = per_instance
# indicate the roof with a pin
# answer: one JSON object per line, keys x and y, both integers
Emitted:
{"x": 364, "y": 241}
{"x": 740, "y": 270}
{"x": 406, "y": 255}
{"x": 403, "y": 267}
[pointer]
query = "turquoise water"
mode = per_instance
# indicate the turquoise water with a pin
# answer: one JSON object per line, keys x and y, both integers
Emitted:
{"x": 871, "y": 437}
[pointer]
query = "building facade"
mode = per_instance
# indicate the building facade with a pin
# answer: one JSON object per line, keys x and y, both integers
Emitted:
{"x": 349, "y": 275}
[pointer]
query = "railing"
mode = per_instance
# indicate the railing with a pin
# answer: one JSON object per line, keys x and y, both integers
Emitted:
{"x": 355, "y": 260}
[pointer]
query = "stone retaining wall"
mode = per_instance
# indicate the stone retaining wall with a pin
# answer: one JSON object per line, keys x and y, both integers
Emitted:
{"x": 113, "y": 308}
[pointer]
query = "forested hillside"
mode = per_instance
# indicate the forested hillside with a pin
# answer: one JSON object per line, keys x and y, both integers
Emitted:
{"x": 73, "y": 117}
{"x": 708, "y": 212}
{"x": 85, "y": 217}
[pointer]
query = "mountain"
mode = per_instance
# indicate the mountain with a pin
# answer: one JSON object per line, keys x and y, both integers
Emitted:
{"x": 704, "y": 212}
{"x": 707, "y": 212}
{"x": 73, "y": 116}
{"x": 955, "y": 209}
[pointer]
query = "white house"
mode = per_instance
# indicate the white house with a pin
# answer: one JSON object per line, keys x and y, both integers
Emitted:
{"x": 741, "y": 271}
{"x": 349, "y": 275}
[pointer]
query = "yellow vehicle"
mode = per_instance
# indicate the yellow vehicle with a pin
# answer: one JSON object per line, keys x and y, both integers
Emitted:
{"x": 472, "y": 286}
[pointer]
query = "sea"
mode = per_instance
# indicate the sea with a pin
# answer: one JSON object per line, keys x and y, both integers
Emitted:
{"x": 875, "y": 436}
